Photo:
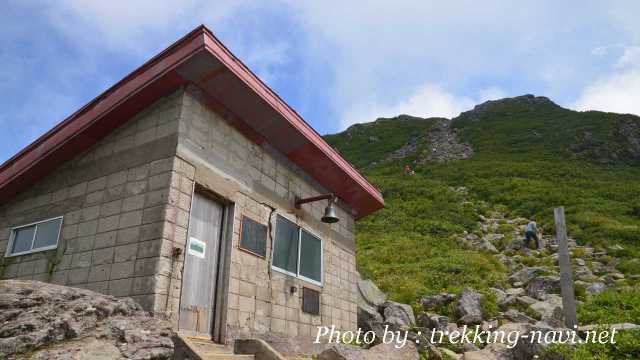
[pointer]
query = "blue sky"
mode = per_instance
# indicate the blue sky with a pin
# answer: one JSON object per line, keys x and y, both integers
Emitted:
{"x": 336, "y": 62}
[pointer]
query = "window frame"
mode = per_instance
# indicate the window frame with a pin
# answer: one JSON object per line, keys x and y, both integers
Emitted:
{"x": 300, "y": 229}
{"x": 9, "y": 253}
{"x": 266, "y": 240}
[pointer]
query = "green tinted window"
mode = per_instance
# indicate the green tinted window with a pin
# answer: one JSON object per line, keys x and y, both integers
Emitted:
{"x": 253, "y": 237}
{"x": 310, "y": 256}
{"x": 285, "y": 251}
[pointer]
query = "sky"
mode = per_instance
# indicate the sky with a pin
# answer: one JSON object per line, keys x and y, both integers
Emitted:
{"x": 336, "y": 62}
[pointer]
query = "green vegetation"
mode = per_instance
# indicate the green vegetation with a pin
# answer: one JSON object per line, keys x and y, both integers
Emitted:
{"x": 530, "y": 156}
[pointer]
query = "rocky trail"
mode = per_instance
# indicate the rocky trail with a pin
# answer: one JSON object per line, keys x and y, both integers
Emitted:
{"x": 529, "y": 301}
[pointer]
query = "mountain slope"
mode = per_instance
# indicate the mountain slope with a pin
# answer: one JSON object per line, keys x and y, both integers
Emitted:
{"x": 530, "y": 155}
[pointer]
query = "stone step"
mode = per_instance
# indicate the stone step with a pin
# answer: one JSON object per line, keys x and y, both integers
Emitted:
{"x": 206, "y": 349}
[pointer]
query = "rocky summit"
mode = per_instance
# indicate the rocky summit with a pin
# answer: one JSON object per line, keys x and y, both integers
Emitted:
{"x": 47, "y": 321}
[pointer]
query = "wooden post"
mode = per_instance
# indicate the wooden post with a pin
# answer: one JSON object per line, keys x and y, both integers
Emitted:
{"x": 566, "y": 275}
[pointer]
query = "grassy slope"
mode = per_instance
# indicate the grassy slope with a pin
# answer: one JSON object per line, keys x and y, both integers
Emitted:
{"x": 522, "y": 164}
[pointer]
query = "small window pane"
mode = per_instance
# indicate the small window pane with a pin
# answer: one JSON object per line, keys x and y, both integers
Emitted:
{"x": 22, "y": 239}
{"x": 47, "y": 233}
{"x": 254, "y": 237}
{"x": 310, "y": 257}
{"x": 285, "y": 252}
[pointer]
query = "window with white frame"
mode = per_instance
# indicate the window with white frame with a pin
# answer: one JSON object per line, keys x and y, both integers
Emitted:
{"x": 297, "y": 252}
{"x": 39, "y": 236}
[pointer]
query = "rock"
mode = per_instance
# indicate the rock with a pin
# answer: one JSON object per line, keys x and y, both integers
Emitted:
{"x": 469, "y": 346}
{"x": 52, "y": 321}
{"x": 527, "y": 274}
{"x": 582, "y": 272}
{"x": 343, "y": 352}
{"x": 489, "y": 325}
{"x": 579, "y": 262}
{"x": 469, "y": 307}
{"x": 397, "y": 314}
{"x": 516, "y": 244}
{"x": 437, "y": 322}
{"x": 525, "y": 300}
{"x": 611, "y": 279}
{"x": 518, "y": 317}
{"x": 550, "y": 308}
{"x": 515, "y": 291}
{"x": 484, "y": 245}
{"x": 389, "y": 351}
{"x": 370, "y": 320}
{"x": 370, "y": 293}
{"x": 525, "y": 348}
{"x": 596, "y": 288}
{"x": 597, "y": 267}
{"x": 435, "y": 301}
{"x": 541, "y": 286}
{"x": 494, "y": 237}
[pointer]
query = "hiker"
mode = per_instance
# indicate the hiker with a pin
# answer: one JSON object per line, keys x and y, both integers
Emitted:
{"x": 408, "y": 170}
{"x": 531, "y": 232}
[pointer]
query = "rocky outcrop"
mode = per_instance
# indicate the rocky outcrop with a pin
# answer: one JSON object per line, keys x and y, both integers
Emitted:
{"x": 469, "y": 307}
{"x": 50, "y": 321}
{"x": 398, "y": 315}
{"x": 378, "y": 352}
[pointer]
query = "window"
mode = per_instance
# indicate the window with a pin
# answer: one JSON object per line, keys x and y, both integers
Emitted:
{"x": 297, "y": 252}
{"x": 310, "y": 301}
{"x": 253, "y": 237}
{"x": 34, "y": 237}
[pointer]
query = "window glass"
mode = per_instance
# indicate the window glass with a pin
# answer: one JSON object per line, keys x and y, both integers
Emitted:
{"x": 47, "y": 233}
{"x": 310, "y": 256}
{"x": 253, "y": 237}
{"x": 285, "y": 252}
{"x": 22, "y": 239}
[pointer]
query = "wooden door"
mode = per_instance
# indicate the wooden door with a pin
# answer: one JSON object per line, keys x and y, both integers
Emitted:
{"x": 201, "y": 267}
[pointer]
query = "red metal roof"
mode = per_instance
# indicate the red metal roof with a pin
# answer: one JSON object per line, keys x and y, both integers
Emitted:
{"x": 243, "y": 99}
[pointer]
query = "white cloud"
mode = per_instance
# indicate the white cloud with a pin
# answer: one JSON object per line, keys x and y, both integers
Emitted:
{"x": 617, "y": 93}
{"x": 630, "y": 57}
{"x": 429, "y": 100}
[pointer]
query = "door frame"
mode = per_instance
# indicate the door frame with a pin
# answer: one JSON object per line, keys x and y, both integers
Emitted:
{"x": 219, "y": 307}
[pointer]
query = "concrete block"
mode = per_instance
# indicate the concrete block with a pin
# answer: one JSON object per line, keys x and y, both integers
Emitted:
{"x": 128, "y": 235}
{"x": 133, "y": 203}
{"x": 120, "y": 287}
{"x": 87, "y": 228}
{"x": 102, "y": 256}
{"x": 135, "y": 188}
{"x": 81, "y": 260}
{"x": 77, "y": 276}
{"x": 122, "y": 270}
{"x": 125, "y": 252}
{"x": 131, "y": 218}
{"x": 111, "y": 208}
{"x": 96, "y": 184}
{"x": 105, "y": 239}
{"x": 99, "y": 273}
{"x": 118, "y": 178}
{"x": 108, "y": 223}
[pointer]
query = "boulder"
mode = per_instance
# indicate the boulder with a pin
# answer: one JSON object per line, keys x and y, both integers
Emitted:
{"x": 370, "y": 293}
{"x": 528, "y": 348}
{"x": 518, "y": 317}
{"x": 527, "y": 274}
{"x": 526, "y": 300}
{"x": 469, "y": 307}
{"x": 484, "y": 245}
{"x": 596, "y": 288}
{"x": 499, "y": 294}
{"x": 397, "y": 314}
{"x": 48, "y": 321}
{"x": 515, "y": 291}
{"x": 550, "y": 308}
{"x": 435, "y": 301}
{"x": 437, "y": 322}
{"x": 370, "y": 320}
{"x": 541, "y": 286}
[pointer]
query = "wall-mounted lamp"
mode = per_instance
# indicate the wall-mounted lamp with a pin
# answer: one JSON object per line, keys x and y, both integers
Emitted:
{"x": 329, "y": 212}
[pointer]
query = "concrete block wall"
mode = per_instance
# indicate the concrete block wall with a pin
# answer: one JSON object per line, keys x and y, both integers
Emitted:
{"x": 115, "y": 198}
{"x": 258, "y": 179}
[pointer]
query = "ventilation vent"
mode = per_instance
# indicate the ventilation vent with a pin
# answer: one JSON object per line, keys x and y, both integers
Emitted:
{"x": 310, "y": 301}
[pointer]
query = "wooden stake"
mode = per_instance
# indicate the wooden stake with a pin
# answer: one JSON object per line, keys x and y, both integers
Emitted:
{"x": 566, "y": 275}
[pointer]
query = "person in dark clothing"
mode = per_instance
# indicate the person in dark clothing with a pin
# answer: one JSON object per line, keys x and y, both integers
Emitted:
{"x": 531, "y": 232}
